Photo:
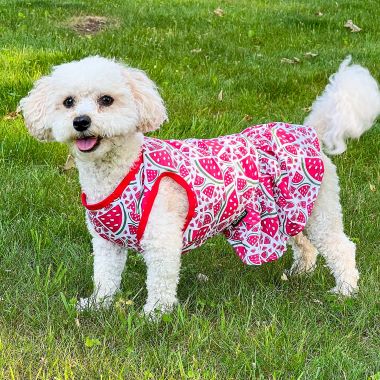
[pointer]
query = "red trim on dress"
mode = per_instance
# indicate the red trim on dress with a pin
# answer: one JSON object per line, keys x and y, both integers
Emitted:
{"x": 117, "y": 192}
{"x": 152, "y": 196}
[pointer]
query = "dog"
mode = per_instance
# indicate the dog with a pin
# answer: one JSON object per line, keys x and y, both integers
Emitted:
{"x": 101, "y": 109}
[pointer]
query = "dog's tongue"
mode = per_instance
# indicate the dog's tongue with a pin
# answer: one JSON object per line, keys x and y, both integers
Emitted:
{"x": 86, "y": 143}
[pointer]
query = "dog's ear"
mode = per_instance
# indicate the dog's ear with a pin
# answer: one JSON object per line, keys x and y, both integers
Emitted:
{"x": 150, "y": 106}
{"x": 34, "y": 109}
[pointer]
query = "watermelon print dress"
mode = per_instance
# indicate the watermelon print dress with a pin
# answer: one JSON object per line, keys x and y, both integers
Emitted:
{"x": 257, "y": 187}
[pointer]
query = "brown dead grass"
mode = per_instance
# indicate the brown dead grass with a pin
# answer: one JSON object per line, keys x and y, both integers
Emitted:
{"x": 88, "y": 25}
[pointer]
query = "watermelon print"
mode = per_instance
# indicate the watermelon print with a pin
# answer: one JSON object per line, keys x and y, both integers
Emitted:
{"x": 114, "y": 219}
{"x": 298, "y": 178}
{"x": 269, "y": 226}
{"x": 313, "y": 168}
{"x": 210, "y": 168}
{"x": 183, "y": 171}
{"x": 216, "y": 208}
{"x": 208, "y": 219}
{"x": 284, "y": 136}
{"x": 257, "y": 187}
{"x": 230, "y": 207}
{"x": 199, "y": 181}
{"x": 241, "y": 184}
{"x": 304, "y": 189}
{"x": 209, "y": 191}
{"x": 292, "y": 229}
{"x": 228, "y": 177}
{"x": 248, "y": 166}
{"x": 162, "y": 159}
{"x": 151, "y": 175}
{"x": 224, "y": 157}
{"x": 292, "y": 149}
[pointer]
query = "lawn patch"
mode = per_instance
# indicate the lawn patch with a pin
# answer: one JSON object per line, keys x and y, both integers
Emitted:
{"x": 88, "y": 25}
{"x": 243, "y": 323}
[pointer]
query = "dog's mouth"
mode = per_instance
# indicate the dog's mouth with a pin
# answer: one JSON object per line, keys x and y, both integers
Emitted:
{"x": 88, "y": 144}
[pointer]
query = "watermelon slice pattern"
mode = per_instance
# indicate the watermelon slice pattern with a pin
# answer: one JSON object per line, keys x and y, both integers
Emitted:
{"x": 118, "y": 221}
{"x": 257, "y": 187}
{"x": 291, "y": 171}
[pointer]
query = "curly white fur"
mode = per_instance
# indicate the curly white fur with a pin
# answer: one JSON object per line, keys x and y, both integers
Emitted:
{"x": 346, "y": 109}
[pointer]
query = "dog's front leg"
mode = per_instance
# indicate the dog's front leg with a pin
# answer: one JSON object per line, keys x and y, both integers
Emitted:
{"x": 162, "y": 254}
{"x": 109, "y": 262}
{"x": 162, "y": 246}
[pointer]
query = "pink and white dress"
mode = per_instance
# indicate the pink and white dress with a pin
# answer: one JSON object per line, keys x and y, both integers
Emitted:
{"x": 258, "y": 187}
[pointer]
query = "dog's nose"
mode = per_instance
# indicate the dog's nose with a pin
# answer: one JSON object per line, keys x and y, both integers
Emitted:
{"x": 81, "y": 123}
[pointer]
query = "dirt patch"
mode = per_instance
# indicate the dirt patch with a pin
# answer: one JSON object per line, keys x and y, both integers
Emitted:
{"x": 12, "y": 115}
{"x": 86, "y": 25}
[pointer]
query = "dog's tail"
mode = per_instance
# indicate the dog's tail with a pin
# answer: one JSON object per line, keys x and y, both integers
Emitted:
{"x": 347, "y": 108}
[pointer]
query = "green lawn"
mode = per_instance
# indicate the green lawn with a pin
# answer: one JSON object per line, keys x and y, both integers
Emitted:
{"x": 244, "y": 323}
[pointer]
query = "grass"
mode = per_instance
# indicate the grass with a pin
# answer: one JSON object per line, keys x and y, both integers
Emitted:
{"x": 244, "y": 323}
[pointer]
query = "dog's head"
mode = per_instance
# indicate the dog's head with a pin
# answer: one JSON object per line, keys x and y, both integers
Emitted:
{"x": 90, "y": 103}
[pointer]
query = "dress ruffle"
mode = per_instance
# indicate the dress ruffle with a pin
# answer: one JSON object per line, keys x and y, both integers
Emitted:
{"x": 290, "y": 174}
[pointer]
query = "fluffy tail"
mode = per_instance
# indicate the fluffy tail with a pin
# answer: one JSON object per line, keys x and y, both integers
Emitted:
{"x": 347, "y": 108}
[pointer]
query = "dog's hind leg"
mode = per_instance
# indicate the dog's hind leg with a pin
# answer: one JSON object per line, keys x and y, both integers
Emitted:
{"x": 325, "y": 231}
{"x": 304, "y": 255}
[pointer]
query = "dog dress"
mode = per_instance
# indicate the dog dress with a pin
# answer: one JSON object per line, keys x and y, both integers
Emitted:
{"x": 257, "y": 187}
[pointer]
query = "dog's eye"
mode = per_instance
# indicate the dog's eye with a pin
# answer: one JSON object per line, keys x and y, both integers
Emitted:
{"x": 68, "y": 102}
{"x": 105, "y": 100}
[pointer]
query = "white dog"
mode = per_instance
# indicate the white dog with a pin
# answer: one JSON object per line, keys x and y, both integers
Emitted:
{"x": 101, "y": 109}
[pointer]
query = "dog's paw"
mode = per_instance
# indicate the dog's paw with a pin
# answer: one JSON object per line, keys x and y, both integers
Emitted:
{"x": 84, "y": 304}
{"x": 92, "y": 303}
{"x": 347, "y": 283}
{"x": 345, "y": 290}
{"x": 155, "y": 311}
{"x": 301, "y": 267}
{"x": 153, "y": 315}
